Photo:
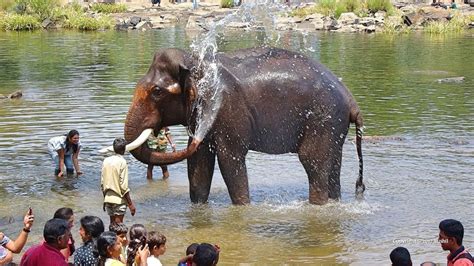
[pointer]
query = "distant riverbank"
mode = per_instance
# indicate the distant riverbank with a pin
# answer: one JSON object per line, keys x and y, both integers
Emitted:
{"x": 356, "y": 16}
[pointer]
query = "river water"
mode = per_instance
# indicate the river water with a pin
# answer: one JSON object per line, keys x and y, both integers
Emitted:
{"x": 418, "y": 175}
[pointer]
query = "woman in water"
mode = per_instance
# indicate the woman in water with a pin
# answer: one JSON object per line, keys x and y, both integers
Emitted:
{"x": 64, "y": 150}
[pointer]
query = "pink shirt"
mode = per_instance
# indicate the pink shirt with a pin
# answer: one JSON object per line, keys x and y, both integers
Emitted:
{"x": 43, "y": 254}
{"x": 459, "y": 262}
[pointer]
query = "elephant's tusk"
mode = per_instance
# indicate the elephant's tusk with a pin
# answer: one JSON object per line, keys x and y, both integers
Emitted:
{"x": 135, "y": 144}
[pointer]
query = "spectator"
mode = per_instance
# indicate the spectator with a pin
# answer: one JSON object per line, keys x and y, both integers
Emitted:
{"x": 15, "y": 246}
{"x": 157, "y": 246}
{"x": 56, "y": 235}
{"x": 114, "y": 184}
{"x": 451, "y": 233}
{"x": 121, "y": 230}
{"x": 87, "y": 254}
{"x": 160, "y": 143}
{"x": 68, "y": 215}
{"x": 64, "y": 150}
{"x": 428, "y": 263}
{"x": 400, "y": 257}
{"x": 109, "y": 246}
{"x": 188, "y": 259}
{"x": 206, "y": 255}
{"x": 137, "y": 240}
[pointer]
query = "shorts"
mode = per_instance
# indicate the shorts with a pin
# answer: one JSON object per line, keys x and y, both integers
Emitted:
{"x": 115, "y": 209}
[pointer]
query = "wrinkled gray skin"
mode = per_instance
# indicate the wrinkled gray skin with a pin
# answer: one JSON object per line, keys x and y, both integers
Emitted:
{"x": 274, "y": 101}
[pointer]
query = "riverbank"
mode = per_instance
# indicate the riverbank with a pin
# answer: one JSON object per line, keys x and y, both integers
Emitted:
{"x": 304, "y": 17}
{"x": 403, "y": 18}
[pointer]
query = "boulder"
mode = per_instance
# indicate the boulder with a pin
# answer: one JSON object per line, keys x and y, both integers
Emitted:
{"x": 348, "y": 18}
{"x": 143, "y": 25}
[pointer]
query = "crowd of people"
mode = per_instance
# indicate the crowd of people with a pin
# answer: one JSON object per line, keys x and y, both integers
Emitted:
{"x": 119, "y": 246}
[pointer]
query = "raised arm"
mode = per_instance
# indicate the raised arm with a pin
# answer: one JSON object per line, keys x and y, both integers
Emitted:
{"x": 17, "y": 245}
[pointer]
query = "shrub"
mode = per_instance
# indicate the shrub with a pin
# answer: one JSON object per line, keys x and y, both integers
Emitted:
{"x": 40, "y": 8}
{"x": 7, "y": 4}
{"x": 379, "y": 5}
{"x": 84, "y": 22}
{"x": 227, "y": 3}
{"x": 457, "y": 24}
{"x": 19, "y": 22}
{"x": 109, "y": 8}
{"x": 303, "y": 12}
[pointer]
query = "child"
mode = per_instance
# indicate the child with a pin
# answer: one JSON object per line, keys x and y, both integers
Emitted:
{"x": 160, "y": 143}
{"x": 114, "y": 184}
{"x": 91, "y": 228}
{"x": 137, "y": 240}
{"x": 109, "y": 246}
{"x": 121, "y": 231}
{"x": 188, "y": 259}
{"x": 157, "y": 245}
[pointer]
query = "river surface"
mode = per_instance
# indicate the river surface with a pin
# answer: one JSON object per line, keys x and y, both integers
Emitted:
{"x": 419, "y": 174}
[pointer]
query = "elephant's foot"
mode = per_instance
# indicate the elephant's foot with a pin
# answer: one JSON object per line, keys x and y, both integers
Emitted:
{"x": 241, "y": 200}
{"x": 319, "y": 198}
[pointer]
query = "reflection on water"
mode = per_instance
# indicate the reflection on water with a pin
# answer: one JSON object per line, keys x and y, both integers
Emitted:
{"x": 86, "y": 80}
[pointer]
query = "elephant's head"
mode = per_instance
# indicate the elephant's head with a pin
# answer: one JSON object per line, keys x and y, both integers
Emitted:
{"x": 163, "y": 97}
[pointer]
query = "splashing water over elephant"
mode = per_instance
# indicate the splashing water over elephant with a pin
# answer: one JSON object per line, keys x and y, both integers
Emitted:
{"x": 205, "y": 48}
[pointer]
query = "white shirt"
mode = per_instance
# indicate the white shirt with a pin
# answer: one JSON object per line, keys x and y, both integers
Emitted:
{"x": 153, "y": 261}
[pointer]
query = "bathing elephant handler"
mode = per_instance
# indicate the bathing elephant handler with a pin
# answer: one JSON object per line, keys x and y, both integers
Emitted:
{"x": 64, "y": 150}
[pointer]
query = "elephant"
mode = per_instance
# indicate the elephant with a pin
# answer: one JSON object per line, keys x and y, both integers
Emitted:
{"x": 274, "y": 101}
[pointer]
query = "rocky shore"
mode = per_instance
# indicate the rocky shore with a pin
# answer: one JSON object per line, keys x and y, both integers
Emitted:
{"x": 413, "y": 16}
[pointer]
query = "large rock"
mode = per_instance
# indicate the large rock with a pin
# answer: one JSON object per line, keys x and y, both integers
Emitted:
{"x": 348, "y": 18}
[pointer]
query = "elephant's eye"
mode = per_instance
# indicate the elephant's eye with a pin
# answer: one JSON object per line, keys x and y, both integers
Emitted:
{"x": 157, "y": 90}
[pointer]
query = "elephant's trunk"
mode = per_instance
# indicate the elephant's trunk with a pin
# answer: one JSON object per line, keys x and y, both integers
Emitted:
{"x": 149, "y": 156}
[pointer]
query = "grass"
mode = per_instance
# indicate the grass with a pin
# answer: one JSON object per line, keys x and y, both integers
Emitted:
{"x": 89, "y": 23}
{"x": 380, "y": 5}
{"x": 18, "y": 22}
{"x": 227, "y": 3}
{"x": 108, "y": 8}
{"x": 458, "y": 23}
{"x": 6, "y": 5}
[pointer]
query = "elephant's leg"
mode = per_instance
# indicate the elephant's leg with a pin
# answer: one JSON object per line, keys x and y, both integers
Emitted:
{"x": 234, "y": 172}
{"x": 315, "y": 153}
{"x": 200, "y": 171}
{"x": 334, "y": 182}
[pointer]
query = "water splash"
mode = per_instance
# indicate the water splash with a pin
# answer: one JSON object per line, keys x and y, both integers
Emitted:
{"x": 259, "y": 15}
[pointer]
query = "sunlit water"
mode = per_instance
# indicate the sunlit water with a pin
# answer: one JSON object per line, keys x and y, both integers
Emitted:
{"x": 86, "y": 81}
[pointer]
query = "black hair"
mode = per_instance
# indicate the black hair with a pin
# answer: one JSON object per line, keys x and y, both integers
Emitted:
{"x": 53, "y": 229}
{"x": 118, "y": 228}
{"x": 93, "y": 226}
{"x": 205, "y": 255}
{"x": 119, "y": 145}
{"x": 428, "y": 263}
{"x": 137, "y": 238}
{"x": 400, "y": 256}
{"x": 191, "y": 248}
{"x": 452, "y": 228}
{"x": 63, "y": 213}
{"x": 69, "y": 135}
{"x": 105, "y": 240}
{"x": 155, "y": 239}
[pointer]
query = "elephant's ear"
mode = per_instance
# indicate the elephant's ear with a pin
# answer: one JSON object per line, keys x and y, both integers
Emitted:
{"x": 186, "y": 83}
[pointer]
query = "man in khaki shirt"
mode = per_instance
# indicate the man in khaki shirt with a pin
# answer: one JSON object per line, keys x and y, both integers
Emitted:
{"x": 114, "y": 184}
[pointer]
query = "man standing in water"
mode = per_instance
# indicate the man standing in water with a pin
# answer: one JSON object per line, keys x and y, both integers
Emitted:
{"x": 160, "y": 143}
{"x": 451, "y": 233}
{"x": 114, "y": 184}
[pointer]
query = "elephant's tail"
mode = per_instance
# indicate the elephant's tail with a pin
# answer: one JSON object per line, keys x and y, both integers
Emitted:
{"x": 356, "y": 117}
